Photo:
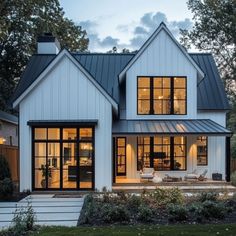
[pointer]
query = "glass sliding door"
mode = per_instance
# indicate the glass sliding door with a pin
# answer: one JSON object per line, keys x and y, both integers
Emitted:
{"x": 63, "y": 158}
{"x": 86, "y": 154}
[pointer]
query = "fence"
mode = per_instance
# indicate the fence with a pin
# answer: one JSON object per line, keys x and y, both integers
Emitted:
{"x": 233, "y": 165}
{"x": 11, "y": 153}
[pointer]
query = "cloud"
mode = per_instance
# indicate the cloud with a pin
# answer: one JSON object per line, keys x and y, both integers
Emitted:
{"x": 95, "y": 42}
{"x": 151, "y": 20}
{"x": 109, "y": 41}
{"x": 141, "y": 31}
{"x": 88, "y": 25}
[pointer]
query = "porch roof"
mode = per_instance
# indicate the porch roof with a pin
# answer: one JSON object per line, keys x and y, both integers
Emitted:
{"x": 169, "y": 127}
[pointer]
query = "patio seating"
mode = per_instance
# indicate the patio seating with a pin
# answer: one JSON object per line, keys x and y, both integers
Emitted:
{"x": 168, "y": 178}
{"x": 202, "y": 177}
{"x": 156, "y": 179}
{"x": 147, "y": 173}
{"x": 194, "y": 176}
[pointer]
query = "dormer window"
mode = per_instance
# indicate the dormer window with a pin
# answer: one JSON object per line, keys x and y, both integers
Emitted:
{"x": 162, "y": 95}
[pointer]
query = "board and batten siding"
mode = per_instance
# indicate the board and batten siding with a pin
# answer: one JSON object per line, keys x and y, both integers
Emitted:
{"x": 161, "y": 58}
{"x": 66, "y": 94}
{"x": 216, "y": 145}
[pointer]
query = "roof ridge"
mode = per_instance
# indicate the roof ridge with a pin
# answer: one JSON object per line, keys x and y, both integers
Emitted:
{"x": 101, "y": 53}
{"x": 200, "y": 53}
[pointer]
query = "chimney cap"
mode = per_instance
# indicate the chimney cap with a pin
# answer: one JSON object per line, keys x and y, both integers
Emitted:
{"x": 48, "y": 37}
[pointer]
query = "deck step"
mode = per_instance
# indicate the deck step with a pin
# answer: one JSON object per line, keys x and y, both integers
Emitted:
{"x": 49, "y": 210}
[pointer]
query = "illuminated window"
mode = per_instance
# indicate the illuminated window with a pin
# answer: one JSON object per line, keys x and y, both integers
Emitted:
{"x": 202, "y": 151}
{"x": 121, "y": 156}
{"x": 63, "y": 158}
{"x": 161, "y": 95}
{"x": 162, "y": 153}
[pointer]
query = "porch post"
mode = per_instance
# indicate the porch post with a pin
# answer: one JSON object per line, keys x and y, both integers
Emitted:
{"x": 228, "y": 159}
{"x": 113, "y": 160}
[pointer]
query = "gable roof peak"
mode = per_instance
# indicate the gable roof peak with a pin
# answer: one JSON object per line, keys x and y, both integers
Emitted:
{"x": 161, "y": 27}
{"x": 163, "y": 23}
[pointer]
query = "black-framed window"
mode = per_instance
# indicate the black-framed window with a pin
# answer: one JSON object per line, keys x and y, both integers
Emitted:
{"x": 121, "y": 156}
{"x": 161, "y": 153}
{"x": 161, "y": 95}
{"x": 202, "y": 159}
{"x": 63, "y": 157}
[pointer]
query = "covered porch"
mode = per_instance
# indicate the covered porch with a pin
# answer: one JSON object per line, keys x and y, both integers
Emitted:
{"x": 172, "y": 150}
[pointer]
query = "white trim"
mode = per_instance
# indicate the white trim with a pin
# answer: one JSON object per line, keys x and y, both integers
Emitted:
{"x": 162, "y": 26}
{"x": 51, "y": 66}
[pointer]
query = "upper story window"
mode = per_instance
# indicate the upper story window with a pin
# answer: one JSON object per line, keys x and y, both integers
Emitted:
{"x": 162, "y": 95}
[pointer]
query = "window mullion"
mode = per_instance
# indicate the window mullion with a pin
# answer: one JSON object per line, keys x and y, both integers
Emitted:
{"x": 151, "y": 96}
{"x": 171, "y": 95}
{"x": 171, "y": 153}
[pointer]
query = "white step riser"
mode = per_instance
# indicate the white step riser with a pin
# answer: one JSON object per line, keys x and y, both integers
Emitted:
{"x": 45, "y": 210}
{"x": 45, "y": 217}
{"x": 50, "y": 223}
{"x": 48, "y": 210}
{"x": 42, "y": 204}
{"x": 52, "y": 200}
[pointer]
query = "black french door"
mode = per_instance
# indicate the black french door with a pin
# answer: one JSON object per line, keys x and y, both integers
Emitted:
{"x": 62, "y": 158}
{"x": 120, "y": 156}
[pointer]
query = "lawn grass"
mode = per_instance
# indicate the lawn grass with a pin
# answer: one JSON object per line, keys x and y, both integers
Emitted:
{"x": 190, "y": 230}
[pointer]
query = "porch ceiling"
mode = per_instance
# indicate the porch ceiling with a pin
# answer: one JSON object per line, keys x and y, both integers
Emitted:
{"x": 169, "y": 127}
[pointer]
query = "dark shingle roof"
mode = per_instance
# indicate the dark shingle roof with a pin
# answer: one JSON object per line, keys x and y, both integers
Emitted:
{"x": 8, "y": 117}
{"x": 211, "y": 93}
{"x": 105, "y": 68}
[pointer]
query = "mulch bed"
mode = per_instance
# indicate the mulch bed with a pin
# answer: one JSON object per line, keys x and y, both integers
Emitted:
{"x": 15, "y": 197}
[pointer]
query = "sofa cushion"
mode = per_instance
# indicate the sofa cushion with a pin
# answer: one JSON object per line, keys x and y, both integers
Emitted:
{"x": 148, "y": 170}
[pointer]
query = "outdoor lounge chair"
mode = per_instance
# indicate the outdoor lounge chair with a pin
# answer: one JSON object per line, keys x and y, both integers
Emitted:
{"x": 147, "y": 173}
{"x": 194, "y": 176}
{"x": 202, "y": 176}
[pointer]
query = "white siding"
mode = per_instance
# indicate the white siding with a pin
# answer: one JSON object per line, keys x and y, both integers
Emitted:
{"x": 216, "y": 145}
{"x": 217, "y": 116}
{"x": 66, "y": 94}
{"x": 161, "y": 58}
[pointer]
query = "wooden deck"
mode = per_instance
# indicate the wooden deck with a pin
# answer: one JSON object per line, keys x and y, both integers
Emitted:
{"x": 186, "y": 186}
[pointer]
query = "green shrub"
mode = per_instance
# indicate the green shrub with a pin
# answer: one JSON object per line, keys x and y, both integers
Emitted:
{"x": 167, "y": 196}
{"x": 211, "y": 209}
{"x": 145, "y": 214}
{"x": 4, "y": 168}
{"x": 177, "y": 212}
{"x": 88, "y": 211}
{"x": 195, "y": 211}
{"x": 23, "y": 222}
{"x": 112, "y": 213}
{"x": 134, "y": 202}
{"x": 122, "y": 196}
{"x": 233, "y": 178}
{"x": 6, "y": 187}
{"x": 208, "y": 196}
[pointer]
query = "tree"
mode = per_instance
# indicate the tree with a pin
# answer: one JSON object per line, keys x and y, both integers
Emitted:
{"x": 214, "y": 30}
{"x": 21, "y": 22}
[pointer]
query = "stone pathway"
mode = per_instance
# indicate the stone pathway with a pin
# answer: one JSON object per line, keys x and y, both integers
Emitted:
{"x": 50, "y": 210}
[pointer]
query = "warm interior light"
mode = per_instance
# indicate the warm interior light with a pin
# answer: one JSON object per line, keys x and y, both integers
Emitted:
{"x": 2, "y": 140}
{"x": 160, "y": 97}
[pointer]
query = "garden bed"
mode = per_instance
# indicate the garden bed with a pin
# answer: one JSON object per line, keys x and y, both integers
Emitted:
{"x": 160, "y": 206}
